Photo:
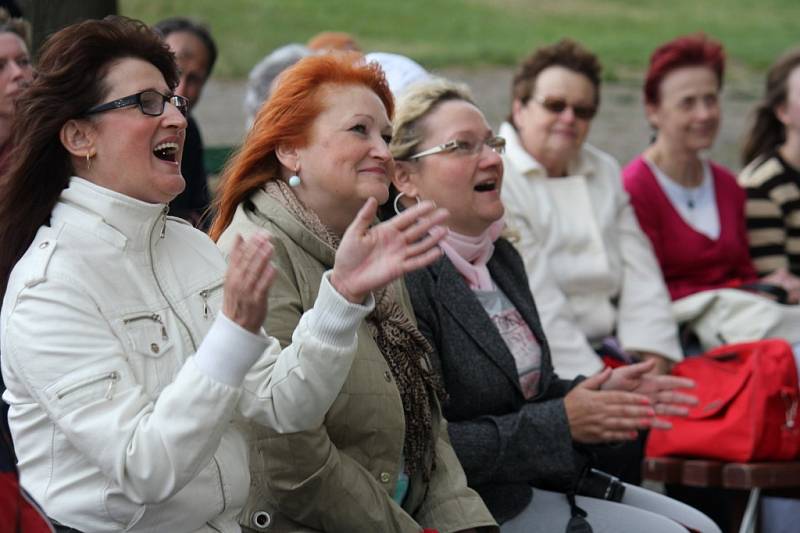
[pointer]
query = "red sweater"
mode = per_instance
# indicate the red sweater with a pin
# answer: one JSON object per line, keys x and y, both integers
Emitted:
{"x": 692, "y": 262}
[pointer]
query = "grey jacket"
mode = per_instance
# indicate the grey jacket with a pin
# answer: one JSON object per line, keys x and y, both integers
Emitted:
{"x": 505, "y": 443}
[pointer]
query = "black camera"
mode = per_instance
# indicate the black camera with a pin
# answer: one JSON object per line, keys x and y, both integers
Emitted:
{"x": 597, "y": 484}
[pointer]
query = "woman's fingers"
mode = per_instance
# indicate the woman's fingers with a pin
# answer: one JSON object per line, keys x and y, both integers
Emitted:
{"x": 247, "y": 281}
{"x": 421, "y": 261}
{"x": 424, "y": 225}
{"x": 434, "y": 237}
{"x": 676, "y": 397}
{"x": 364, "y": 218}
{"x": 411, "y": 215}
{"x": 674, "y": 382}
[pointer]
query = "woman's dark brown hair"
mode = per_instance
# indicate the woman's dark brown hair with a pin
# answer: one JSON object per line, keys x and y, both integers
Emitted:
{"x": 70, "y": 72}
{"x": 565, "y": 53}
{"x": 768, "y": 133}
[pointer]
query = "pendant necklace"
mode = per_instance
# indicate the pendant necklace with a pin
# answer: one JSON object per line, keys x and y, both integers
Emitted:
{"x": 691, "y": 199}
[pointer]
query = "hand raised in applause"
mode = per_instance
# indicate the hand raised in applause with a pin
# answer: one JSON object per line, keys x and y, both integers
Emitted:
{"x": 597, "y": 416}
{"x": 247, "y": 281}
{"x": 369, "y": 258}
{"x": 660, "y": 389}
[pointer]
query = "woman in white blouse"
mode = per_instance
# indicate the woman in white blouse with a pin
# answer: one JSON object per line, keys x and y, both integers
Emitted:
{"x": 590, "y": 267}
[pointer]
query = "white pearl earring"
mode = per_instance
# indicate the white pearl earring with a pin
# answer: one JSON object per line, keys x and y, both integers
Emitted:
{"x": 294, "y": 179}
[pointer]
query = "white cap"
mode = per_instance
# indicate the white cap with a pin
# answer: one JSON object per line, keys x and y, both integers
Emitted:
{"x": 401, "y": 71}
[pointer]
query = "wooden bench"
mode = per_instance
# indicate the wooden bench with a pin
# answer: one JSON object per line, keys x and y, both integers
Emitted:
{"x": 775, "y": 479}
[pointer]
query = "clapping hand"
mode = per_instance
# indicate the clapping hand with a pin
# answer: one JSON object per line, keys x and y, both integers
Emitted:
{"x": 660, "y": 389}
{"x": 369, "y": 258}
{"x": 247, "y": 281}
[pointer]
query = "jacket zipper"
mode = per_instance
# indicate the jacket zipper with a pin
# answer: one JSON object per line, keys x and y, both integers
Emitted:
{"x": 158, "y": 283}
{"x": 155, "y": 317}
{"x": 164, "y": 221}
{"x": 204, "y": 295}
{"x": 182, "y": 323}
{"x": 113, "y": 377}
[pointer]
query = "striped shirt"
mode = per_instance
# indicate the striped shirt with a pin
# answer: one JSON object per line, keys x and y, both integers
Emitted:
{"x": 773, "y": 214}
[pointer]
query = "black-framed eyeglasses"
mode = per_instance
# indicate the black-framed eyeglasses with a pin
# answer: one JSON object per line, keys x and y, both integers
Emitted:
{"x": 557, "y": 105}
{"x": 150, "y": 102}
{"x": 465, "y": 147}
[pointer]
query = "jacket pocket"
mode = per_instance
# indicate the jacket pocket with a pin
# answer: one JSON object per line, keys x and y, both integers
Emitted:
{"x": 94, "y": 383}
{"x": 150, "y": 350}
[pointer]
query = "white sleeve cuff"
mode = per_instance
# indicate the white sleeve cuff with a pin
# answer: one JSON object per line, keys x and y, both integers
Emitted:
{"x": 228, "y": 351}
{"x": 334, "y": 320}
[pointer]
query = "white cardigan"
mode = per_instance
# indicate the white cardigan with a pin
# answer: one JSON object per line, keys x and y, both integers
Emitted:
{"x": 118, "y": 423}
{"x": 590, "y": 266}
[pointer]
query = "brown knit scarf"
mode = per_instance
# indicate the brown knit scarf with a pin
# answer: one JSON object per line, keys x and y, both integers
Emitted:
{"x": 400, "y": 342}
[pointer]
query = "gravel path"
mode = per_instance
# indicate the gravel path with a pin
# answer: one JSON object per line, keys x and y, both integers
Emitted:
{"x": 619, "y": 128}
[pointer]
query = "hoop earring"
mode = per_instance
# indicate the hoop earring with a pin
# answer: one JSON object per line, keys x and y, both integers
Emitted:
{"x": 89, "y": 161}
{"x": 397, "y": 199}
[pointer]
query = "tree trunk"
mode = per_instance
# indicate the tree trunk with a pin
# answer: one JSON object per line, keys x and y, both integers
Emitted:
{"x": 49, "y": 16}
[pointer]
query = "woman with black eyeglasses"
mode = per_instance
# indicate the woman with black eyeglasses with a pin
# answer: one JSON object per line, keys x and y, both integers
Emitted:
{"x": 589, "y": 265}
{"x": 125, "y": 363}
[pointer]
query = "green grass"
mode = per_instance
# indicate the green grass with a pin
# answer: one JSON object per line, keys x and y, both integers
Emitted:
{"x": 440, "y": 33}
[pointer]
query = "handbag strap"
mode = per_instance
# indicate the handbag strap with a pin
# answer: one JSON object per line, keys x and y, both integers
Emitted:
{"x": 577, "y": 522}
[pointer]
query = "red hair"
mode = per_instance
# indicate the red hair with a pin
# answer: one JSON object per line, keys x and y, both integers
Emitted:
{"x": 286, "y": 119}
{"x": 686, "y": 51}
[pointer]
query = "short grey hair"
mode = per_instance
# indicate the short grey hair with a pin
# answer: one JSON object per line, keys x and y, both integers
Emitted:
{"x": 263, "y": 75}
{"x": 416, "y": 103}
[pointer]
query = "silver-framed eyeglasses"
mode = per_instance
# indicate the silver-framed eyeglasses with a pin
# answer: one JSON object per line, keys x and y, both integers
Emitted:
{"x": 464, "y": 147}
{"x": 150, "y": 102}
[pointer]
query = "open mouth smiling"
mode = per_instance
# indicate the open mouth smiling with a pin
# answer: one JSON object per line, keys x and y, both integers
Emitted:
{"x": 486, "y": 186}
{"x": 166, "y": 151}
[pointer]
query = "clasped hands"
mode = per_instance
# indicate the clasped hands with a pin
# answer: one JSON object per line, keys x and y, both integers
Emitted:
{"x": 614, "y": 405}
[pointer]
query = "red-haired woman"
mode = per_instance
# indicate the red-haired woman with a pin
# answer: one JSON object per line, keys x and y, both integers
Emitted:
{"x": 692, "y": 209}
{"x": 380, "y": 460}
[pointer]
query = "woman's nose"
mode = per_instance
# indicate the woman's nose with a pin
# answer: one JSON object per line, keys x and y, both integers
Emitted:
{"x": 173, "y": 117}
{"x": 380, "y": 149}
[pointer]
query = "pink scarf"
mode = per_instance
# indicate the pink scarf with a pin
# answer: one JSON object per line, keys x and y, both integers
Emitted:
{"x": 470, "y": 254}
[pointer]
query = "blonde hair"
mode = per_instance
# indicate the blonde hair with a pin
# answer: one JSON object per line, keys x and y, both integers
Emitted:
{"x": 416, "y": 103}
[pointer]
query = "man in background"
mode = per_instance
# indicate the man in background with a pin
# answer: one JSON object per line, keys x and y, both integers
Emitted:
{"x": 195, "y": 53}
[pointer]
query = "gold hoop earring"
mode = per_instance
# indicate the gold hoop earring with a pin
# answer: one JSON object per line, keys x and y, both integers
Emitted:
{"x": 88, "y": 161}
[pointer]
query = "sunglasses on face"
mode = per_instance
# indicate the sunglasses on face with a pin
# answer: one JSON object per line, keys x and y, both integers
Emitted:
{"x": 557, "y": 105}
{"x": 150, "y": 102}
{"x": 465, "y": 147}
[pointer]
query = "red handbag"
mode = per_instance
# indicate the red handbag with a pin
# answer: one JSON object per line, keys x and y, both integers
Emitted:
{"x": 747, "y": 408}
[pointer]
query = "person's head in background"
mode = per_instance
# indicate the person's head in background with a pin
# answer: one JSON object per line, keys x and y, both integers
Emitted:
{"x": 555, "y": 95}
{"x": 777, "y": 116}
{"x": 333, "y": 41}
{"x": 16, "y": 70}
{"x": 263, "y": 77}
{"x": 195, "y": 53}
{"x": 401, "y": 72}
{"x": 681, "y": 94}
